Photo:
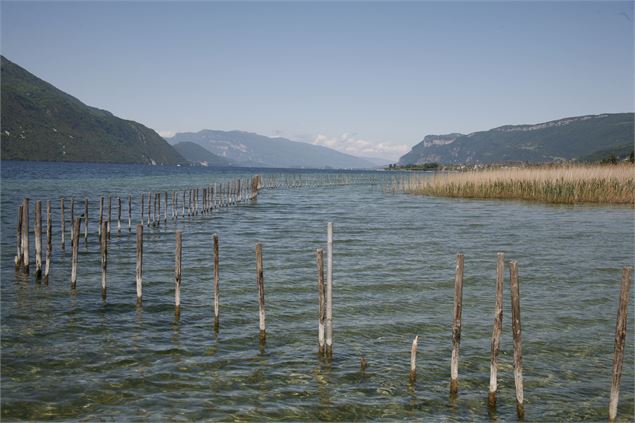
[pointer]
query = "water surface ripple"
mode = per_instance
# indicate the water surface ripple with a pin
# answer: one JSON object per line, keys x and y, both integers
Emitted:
{"x": 72, "y": 356}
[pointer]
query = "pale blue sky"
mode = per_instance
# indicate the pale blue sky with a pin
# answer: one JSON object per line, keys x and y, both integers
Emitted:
{"x": 367, "y": 78}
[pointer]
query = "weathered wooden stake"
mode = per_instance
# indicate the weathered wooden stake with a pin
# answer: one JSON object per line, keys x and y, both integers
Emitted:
{"x": 101, "y": 214}
{"x": 142, "y": 206}
{"x": 109, "y": 215}
{"x": 119, "y": 215}
{"x": 496, "y": 332}
{"x": 18, "y": 253}
{"x": 413, "y": 359}
{"x": 165, "y": 212}
{"x": 321, "y": 299}
{"x": 329, "y": 290}
{"x": 37, "y": 227}
{"x": 518, "y": 356}
{"x": 177, "y": 272}
{"x": 620, "y": 335}
{"x": 129, "y": 212}
{"x": 63, "y": 222}
{"x": 85, "y": 219}
{"x": 25, "y": 235}
{"x": 49, "y": 241}
{"x": 72, "y": 215}
{"x": 74, "y": 248}
{"x": 216, "y": 277}
{"x": 139, "y": 276}
{"x": 104, "y": 259}
{"x": 456, "y": 326}
{"x": 260, "y": 280}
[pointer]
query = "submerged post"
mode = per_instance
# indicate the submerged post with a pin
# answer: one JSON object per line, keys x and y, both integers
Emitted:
{"x": 413, "y": 359}
{"x": 129, "y": 212}
{"x": 49, "y": 241}
{"x": 101, "y": 214}
{"x": 139, "y": 275}
{"x": 74, "y": 248}
{"x": 63, "y": 223}
{"x": 516, "y": 333}
{"x": 177, "y": 273}
{"x": 216, "y": 273}
{"x": 496, "y": 332}
{"x": 119, "y": 215}
{"x": 18, "y": 253}
{"x": 319, "y": 254}
{"x": 329, "y": 288}
{"x": 456, "y": 325}
{"x": 104, "y": 259}
{"x": 620, "y": 335}
{"x": 260, "y": 280}
{"x": 85, "y": 219}
{"x": 37, "y": 227}
{"x": 25, "y": 235}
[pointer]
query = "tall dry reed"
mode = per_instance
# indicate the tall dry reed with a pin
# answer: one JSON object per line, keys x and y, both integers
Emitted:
{"x": 570, "y": 184}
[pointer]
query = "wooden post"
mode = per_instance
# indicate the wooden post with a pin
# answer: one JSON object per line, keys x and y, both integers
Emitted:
{"x": 329, "y": 290}
{"x": 37, "y": 228}
{"x": 72, "y": 215}
{"x": 158, "y": 209}
{"x": 456, "y": 326}
{"x": 104, "y": 259}
{"x": 119, "y": 215}
{"x": 101, "y": 214}
{"x": 85, "y": 219}
{"x": 518, "y": 357}
{"x": 149, "y": 207}
{"x": 109, "y": 215}
{"x": 620, "y": 335}
{"x": 321, "y": 299}
{"x": 260, "y": 280}
{"x": 63, "y": 222}
{"x": 413, "y": 359}
{"x": 177, "y": 272}
{"x": 216, "y": 277}
{"x": 18, "y": 253}
{"x": 165, "y": 212}
{"x": 129, "y": 212}
{"x": 74, "y": 248}
{"x": 142, "y": 206}
{"x": 25, "y": 235}
{"x": 49, "y": 241}
{"x": 139, "y": 275}
{"x": 496, "y": 332}
{"x": 183, "y": 211}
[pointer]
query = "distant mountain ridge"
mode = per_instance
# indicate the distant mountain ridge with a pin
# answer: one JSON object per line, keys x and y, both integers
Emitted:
{"x": 250, "y": 149}
{"x": 41, "y": 122}
{"x": 199, "y": 155}
{"x": 563, "y": 139}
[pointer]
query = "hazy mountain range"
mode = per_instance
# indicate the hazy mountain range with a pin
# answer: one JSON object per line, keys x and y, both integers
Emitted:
{"x": 591, "y": 137}
{"x": 249, "y": 149}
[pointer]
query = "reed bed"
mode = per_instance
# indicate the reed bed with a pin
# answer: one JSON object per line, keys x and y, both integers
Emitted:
{"x": 570, "y": 184}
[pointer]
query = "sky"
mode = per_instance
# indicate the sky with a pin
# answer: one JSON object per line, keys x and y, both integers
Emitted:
{"x": 366, "y": 78}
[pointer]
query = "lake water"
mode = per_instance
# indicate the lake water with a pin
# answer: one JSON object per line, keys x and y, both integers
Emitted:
{"x": 73, "y": 356}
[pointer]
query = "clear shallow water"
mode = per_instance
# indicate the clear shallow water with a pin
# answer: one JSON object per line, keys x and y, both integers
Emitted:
{"x": 75, "y": 357}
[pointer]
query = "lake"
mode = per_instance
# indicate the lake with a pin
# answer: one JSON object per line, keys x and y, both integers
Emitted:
{"x": 73, "y": 356}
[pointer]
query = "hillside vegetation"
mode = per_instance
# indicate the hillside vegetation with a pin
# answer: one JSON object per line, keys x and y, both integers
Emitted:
{"x": 581, "y": 138}
{"x": 41, "y": 122}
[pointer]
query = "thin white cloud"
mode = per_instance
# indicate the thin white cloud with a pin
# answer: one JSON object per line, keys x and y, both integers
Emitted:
{"x": 350, "y": 144}
{"x": 166, "y": 134}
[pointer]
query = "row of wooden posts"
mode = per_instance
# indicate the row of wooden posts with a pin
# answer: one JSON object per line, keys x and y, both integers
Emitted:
{"x": 195, "y": 201}
{"x": 325, "y": 302}
{"x": 286, "y": 180}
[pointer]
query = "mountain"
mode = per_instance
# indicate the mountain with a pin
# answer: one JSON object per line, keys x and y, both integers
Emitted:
{"x": 197, "y": 154}
{"x": 41, "y": 122}
{"x": 564, "y": 139}
{"x": 249, "y": 149}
